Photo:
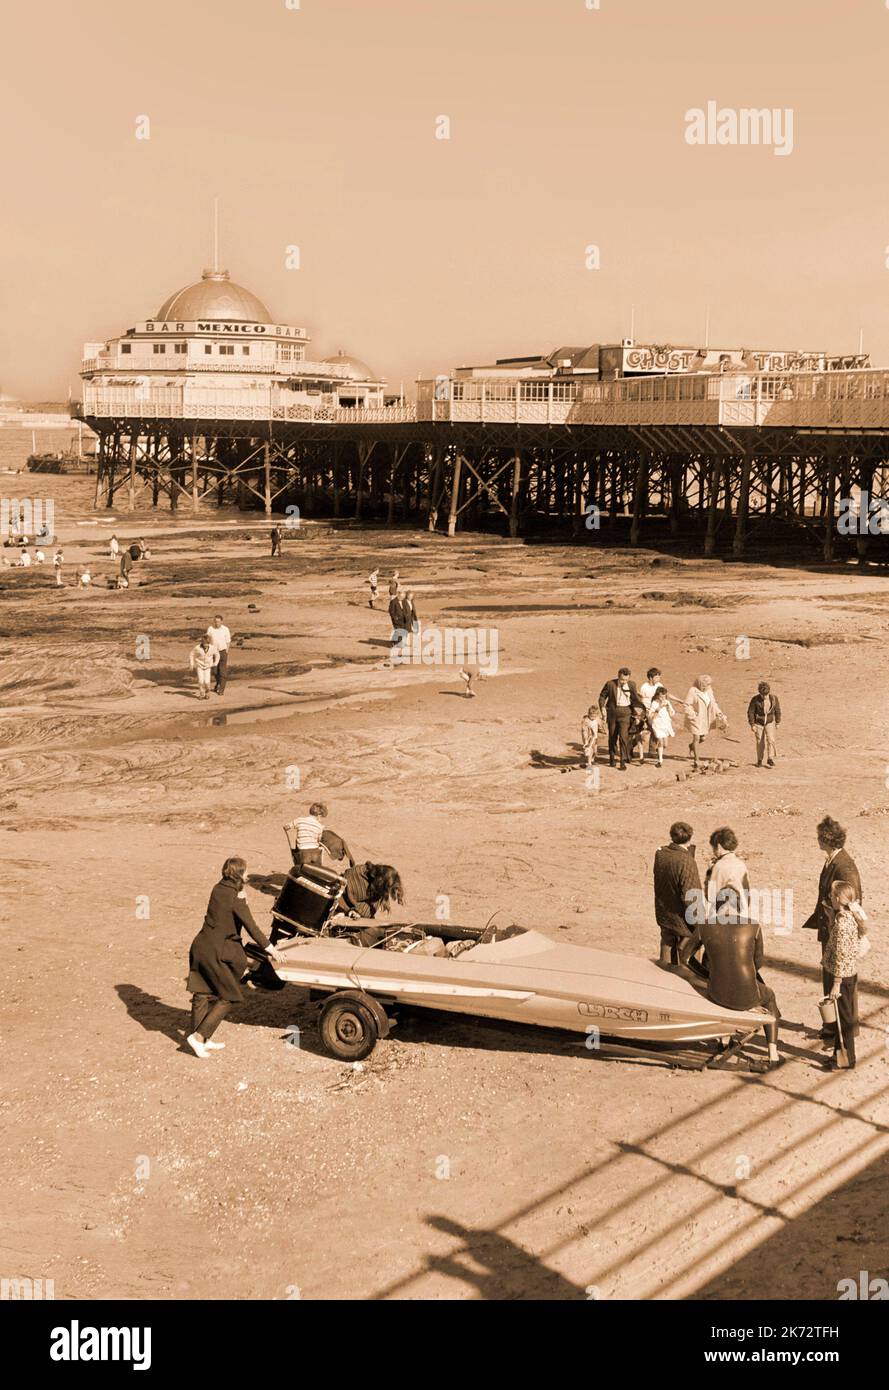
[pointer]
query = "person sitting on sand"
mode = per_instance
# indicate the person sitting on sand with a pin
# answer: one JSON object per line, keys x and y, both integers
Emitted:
{"x": 24, "y": 560}
{"x": 39, "y": 557}
{"x": 85, "y": 579}
{"x": 217, "y": 960}
{"x": 589, "y": 734}
{"x": 202, "y": 659}
{"x": 701, "y": 713}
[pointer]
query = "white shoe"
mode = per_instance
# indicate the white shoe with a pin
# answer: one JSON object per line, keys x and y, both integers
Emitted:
{"x": 215, "y": 1046}
{"x": 198, "y": 1048}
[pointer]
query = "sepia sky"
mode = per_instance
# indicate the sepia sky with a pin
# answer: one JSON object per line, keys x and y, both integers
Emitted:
{"x": 316, "y": 127}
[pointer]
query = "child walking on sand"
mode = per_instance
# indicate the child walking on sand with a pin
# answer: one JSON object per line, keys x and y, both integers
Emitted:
{"x": 589, "y": 734}
{"x": 660, "y": 718}
{"x": 840, "y": 966}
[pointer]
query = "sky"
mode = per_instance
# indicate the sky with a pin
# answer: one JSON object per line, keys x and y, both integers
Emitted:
{"x": 317, "y": 127}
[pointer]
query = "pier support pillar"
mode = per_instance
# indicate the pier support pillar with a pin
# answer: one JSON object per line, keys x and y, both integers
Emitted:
{"x": 740, "y": 538}
{"x": 455, "y": 493}
{"x": 514, "y": 499}
{"x": 267, "y": 478}
{"x": 640, "y": 493}
{"x": 830, "y": 502}
{"x": 713, "y": 510}
{"x": 194, "y": 475}
{"x": 131, "y": 484}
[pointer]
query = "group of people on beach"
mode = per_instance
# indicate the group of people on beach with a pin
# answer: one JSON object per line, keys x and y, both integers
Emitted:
{"x": 403, "y": 613}
{"x": 710, "y": 935}
{"x": 631, "y": 715}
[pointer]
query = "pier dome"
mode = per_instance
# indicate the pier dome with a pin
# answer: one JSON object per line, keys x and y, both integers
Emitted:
{"x": 214, "y": 296}
{"x": 357, "y": 370}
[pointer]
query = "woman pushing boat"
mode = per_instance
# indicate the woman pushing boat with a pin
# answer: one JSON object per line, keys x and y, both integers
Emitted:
{"x": 217, "y": 959}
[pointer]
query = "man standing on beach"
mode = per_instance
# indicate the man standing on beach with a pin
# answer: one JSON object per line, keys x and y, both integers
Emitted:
{"x": 221, "y": 639}
{"x": 764, "y": 716}
{"x": 276, "y": 541}
{"x": 617, "y": 699}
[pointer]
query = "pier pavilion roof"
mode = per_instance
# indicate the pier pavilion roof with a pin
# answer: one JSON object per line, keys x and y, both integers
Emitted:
{"x": 214, "y": 296}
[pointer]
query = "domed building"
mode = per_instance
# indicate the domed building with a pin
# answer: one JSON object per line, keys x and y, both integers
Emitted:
{"x": 213, "y": 352}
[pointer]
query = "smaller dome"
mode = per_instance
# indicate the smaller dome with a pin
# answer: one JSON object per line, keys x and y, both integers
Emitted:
{"x": 357, "y": 370}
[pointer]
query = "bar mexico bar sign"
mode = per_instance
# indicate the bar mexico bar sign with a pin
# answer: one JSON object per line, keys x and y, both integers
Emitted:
{"x": 267, "y": 330}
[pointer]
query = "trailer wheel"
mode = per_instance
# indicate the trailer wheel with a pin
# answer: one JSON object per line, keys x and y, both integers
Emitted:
{"x": 348, "y": 1028}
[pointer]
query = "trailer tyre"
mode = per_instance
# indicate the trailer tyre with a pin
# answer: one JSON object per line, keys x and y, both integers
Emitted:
{"x": 348, "y": 1027}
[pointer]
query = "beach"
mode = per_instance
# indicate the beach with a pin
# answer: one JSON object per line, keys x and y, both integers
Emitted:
{"x": 462, "y": 1159}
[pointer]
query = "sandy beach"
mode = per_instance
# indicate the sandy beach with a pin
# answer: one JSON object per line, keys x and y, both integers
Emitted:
{"x": 462, "y": 1160}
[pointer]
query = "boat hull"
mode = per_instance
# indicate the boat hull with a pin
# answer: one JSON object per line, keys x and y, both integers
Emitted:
{"x": 526, "y": 979}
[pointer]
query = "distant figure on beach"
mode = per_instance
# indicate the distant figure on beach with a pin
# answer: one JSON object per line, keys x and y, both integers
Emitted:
{"x": 764, "y": 716}
{"x": 39, "y": 557}
{"x": 57, "y": 561}
{"x": 660, "y": 721}
{"x": 113, "y": 548}
{"x": 468, "y": 677}
{"x": 410, "y": 614}
{"x": 276, "y": 541}
{"x": 24, "y": 560}
{"x": 373, "y": 580}
{"x": 399, "y": 619}
{"x": 678, "y": 896}
{"x": 589, "y": 734}
{"x": 221, "y": 639}
{"x": 144, "y": 552}
{"x": 202, "y": 659}
{"x": 394, "y": 585}
{"x": 126, "y": 564}
{"x": 85, "y": 579}
{"x": 701, "y": 713}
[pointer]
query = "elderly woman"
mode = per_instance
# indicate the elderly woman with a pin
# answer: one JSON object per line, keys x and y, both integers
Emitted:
{"x": 217, "y": 960}
{"x": 701, "y": 713}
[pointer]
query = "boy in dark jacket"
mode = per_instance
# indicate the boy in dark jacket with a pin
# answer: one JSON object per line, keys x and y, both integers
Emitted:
{"x": 764, "y": 716}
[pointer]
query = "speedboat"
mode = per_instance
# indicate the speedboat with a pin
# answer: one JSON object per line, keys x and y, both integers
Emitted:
{"x": 523, "y": 977}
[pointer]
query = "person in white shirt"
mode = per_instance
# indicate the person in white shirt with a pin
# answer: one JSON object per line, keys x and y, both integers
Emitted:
{"x": 646, "y": 695}
{"x": 221, "y": 639}
{"x": 85, "y": 579}
{"x": 24, "y": 559}
{"x": 113, "y": 548}
{"x": 39, "y": 557}
{"x": 202, "y": 659}
{"x": 309, "y": 830}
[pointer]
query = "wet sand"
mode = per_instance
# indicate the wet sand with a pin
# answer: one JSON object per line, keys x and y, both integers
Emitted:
{"x": 464, "y": 1160}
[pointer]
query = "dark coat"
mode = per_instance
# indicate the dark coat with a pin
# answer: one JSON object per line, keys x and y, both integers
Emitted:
{"x": 400, "y": 614}
{"x": 755, "y": 712}
{"x": 217, "y": 959}
{"x": 608, "y": 698}
{"x": 842, "y": 867}
{"x": 675, "y": 877}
